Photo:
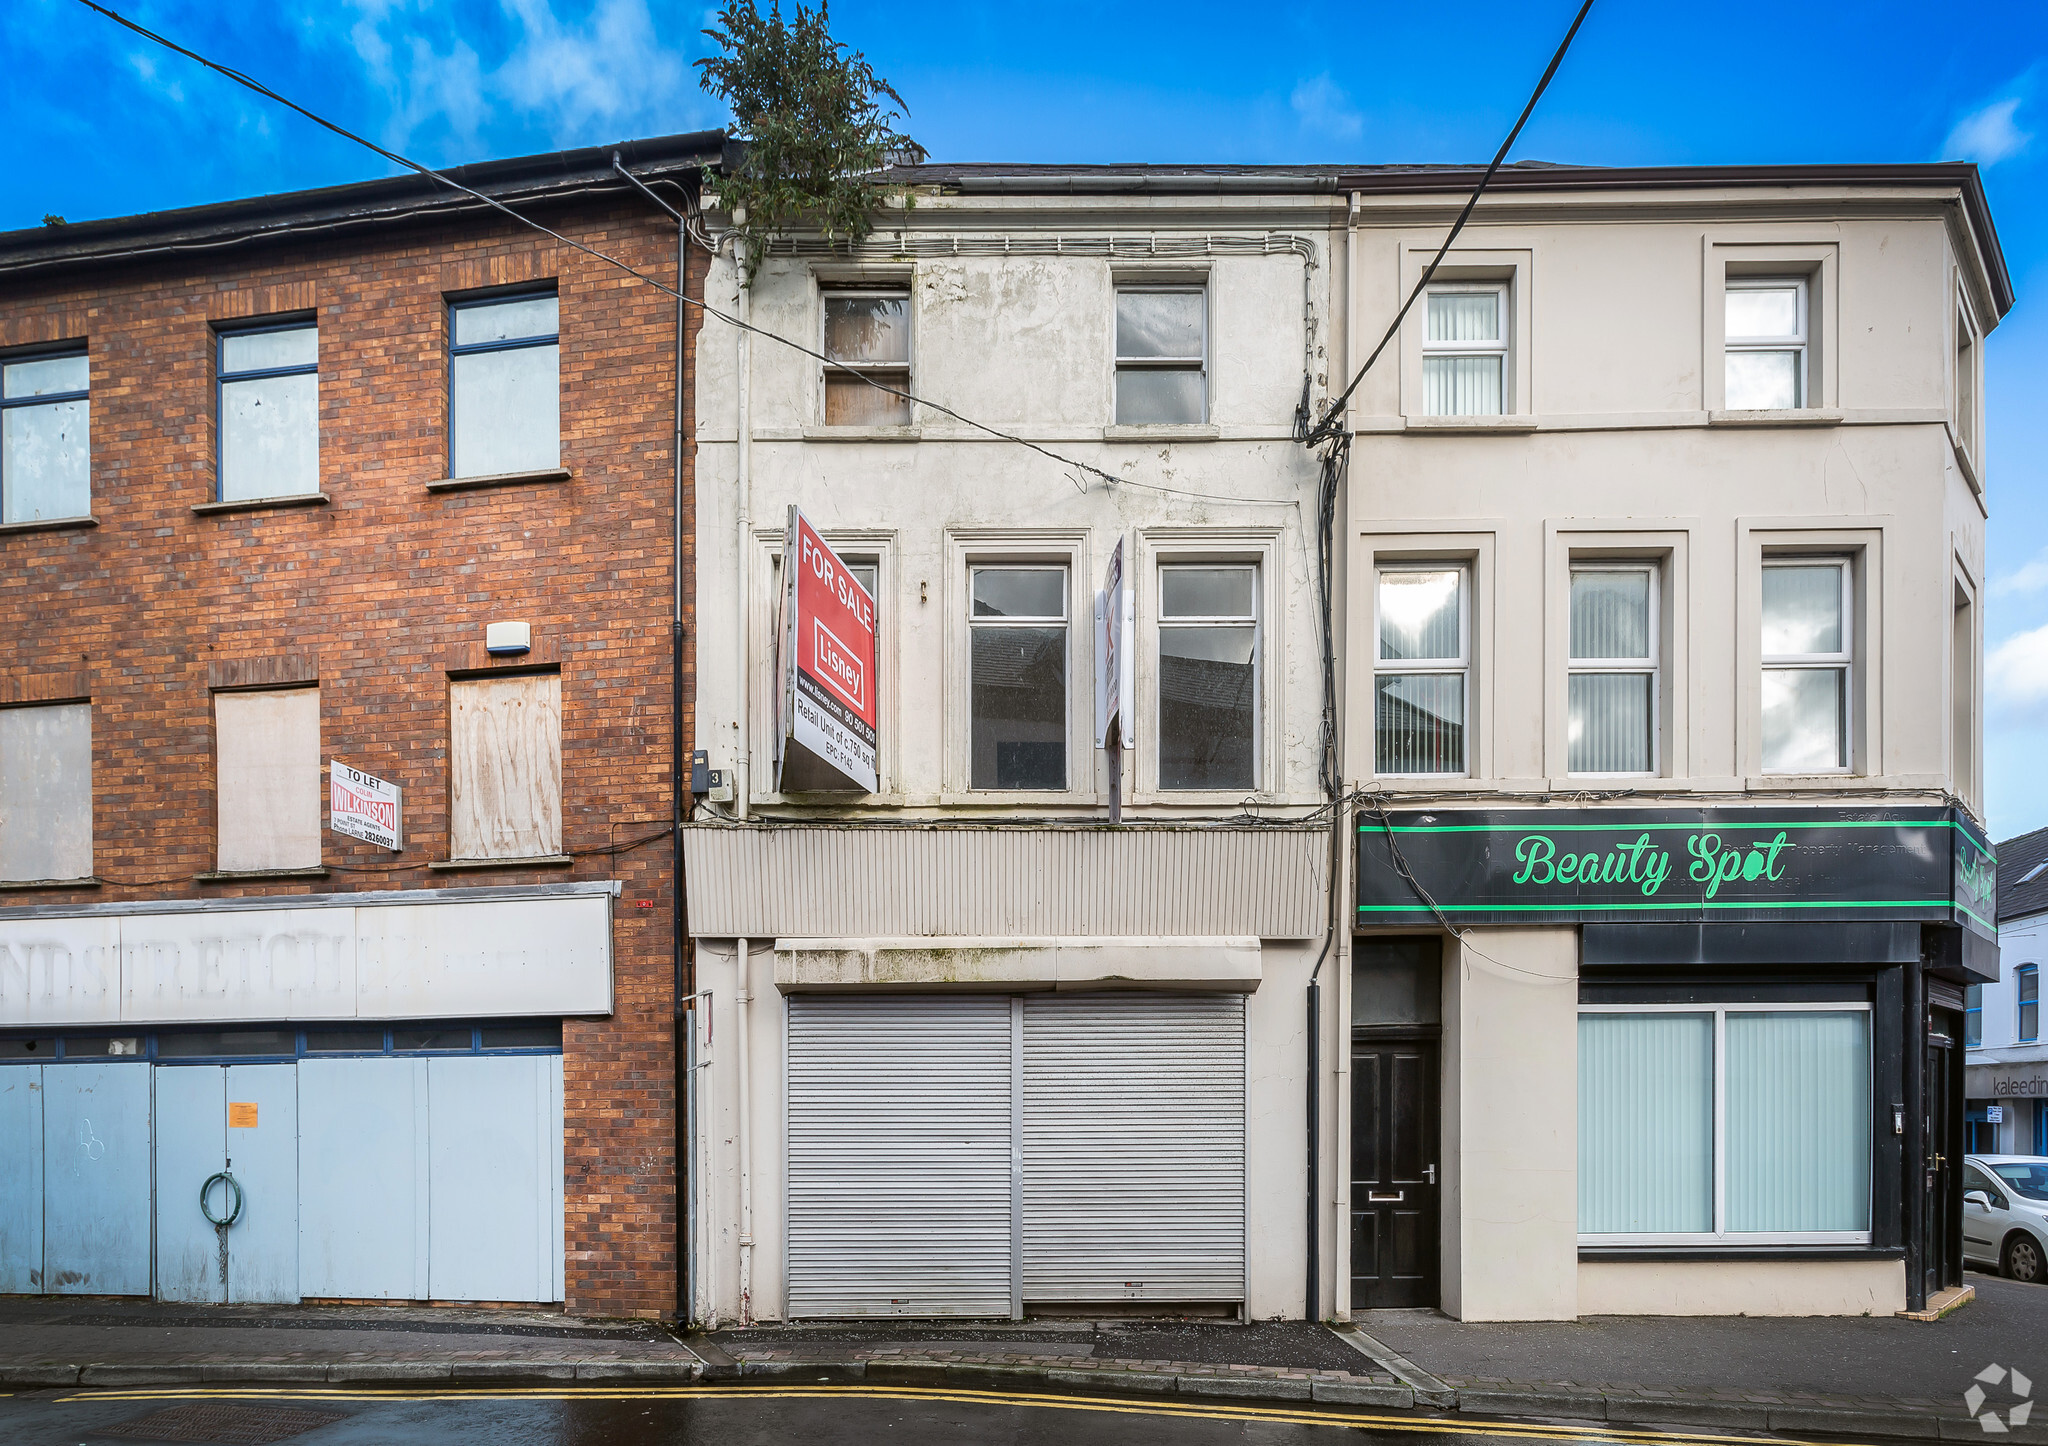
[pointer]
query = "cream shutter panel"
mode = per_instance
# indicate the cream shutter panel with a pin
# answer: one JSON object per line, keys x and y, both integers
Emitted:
{"x": 267, "y": 779}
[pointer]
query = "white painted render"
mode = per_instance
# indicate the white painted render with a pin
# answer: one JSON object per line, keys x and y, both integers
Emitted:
{"x": 1072, "y": 963}
{"x": 1616, "y": 444}
{"x": 1742, "y": 1287}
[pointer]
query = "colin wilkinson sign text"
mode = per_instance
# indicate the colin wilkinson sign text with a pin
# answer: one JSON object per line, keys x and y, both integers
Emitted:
{"x": 361, "y": 806}
{"x": 826, "y": 669}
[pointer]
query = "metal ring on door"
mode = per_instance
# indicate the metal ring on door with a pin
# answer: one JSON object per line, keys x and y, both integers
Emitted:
{"x": 235, "y": 1214}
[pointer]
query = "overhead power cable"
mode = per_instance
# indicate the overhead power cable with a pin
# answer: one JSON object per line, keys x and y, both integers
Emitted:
{"x": 251, "y": 83}
{"x": 1335, "y": 408}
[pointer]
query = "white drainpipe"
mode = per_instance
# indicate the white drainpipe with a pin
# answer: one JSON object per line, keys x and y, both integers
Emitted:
{"x": 746, "y": 1142}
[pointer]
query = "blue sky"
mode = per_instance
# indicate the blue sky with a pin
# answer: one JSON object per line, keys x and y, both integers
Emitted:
{"x": 99, "y": 123}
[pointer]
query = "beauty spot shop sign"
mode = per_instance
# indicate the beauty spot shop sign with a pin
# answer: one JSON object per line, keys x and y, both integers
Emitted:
{"x": 826, "y": 669}
{"x": 1572, "y": 866}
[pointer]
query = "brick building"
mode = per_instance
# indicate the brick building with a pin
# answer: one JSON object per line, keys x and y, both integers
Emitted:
{"x": 270, "y": 471}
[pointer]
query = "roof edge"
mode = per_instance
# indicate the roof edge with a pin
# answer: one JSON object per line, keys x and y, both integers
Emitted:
{"x": 391, "y": 198}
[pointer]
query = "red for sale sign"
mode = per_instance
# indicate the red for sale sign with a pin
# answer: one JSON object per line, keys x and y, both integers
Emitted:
{"x": 827, "y": 668}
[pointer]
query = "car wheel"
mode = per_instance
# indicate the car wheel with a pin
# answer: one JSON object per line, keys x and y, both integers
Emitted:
{"x": 2024, "y": 1261}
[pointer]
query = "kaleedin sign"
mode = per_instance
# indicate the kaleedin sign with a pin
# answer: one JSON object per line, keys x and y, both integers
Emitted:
{"x": 1729, "y": 865}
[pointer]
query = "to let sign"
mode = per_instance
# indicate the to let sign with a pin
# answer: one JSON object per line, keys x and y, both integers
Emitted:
{"x": 826, "y": 669}
{"x": 362, "y": 806}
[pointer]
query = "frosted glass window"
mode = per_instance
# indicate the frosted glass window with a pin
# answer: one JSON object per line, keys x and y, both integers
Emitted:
{"x": 505, "y": 387}
{"x": 1419, "y": 688}
{"x": 867, "y": 338}
{"x": 1464, "y": 352}
{"x": 1017, "y": 688}
{"x": 1161, "y": 355}
{"x": 1798, "y": 1146}
{"x": 1208, "y": 677}
{"x": 45, "y": 438}
{"x": 1724, "y": 1124}
{"x": 1612, "y": 689}
{"x": 1806, "y": 660}
{"x": 1646, "y": 1124}
{"x": 269, "y": 413}
{"x": 1765, "y": 324}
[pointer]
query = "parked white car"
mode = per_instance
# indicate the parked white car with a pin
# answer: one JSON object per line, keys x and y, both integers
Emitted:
{"x": 2005, "y": 1214}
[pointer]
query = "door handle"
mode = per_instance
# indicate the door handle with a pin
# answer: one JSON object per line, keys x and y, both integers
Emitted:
{"x": 1375, "y": 1198}
{"x": 1430, "y": 1172}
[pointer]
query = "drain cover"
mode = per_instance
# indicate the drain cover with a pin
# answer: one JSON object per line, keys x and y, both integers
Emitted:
{"x": 225, "y": 1423}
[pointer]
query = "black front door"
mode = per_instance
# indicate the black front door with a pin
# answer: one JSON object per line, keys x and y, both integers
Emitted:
{"x": 1394, "y": 1133}
{"x": 1942, "y": 1250}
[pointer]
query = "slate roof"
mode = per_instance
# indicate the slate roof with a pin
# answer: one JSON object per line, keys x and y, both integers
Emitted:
{"x": 2018, "y": 894}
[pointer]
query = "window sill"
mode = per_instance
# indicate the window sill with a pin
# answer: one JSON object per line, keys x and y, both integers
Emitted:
{"x": 1795, "y": 417}
{"x": 49, "y": 524}
{"x": 1516, "y": 423}
{"x": 1965, "y": 463}
{"x": 1649, "y": 1253}
{"x": 1820, "y": 782}
{"x": 22, "y": 885}
{"x": 1163, "y": 432}
{"x": 500, "y": 479}
{"x": 539, "y": 861}
{"x": 863, "y": 434}
{"x": 237, "y": 876}
{"x": 262, "y": 504}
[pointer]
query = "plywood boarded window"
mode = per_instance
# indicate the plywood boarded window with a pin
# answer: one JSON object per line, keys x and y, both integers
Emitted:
{"x": 267, "y": 779}
{"x": 505, "y": 767}
{"x": 46, "y": 792}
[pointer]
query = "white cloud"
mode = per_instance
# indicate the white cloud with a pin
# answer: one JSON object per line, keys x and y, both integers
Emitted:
{"x": 602, "y": 74}
{"x": 2029, "y": 576}
{"x": 1988, "y": 134}
{"x": 2016, "y": 673}
{"x": 1321, "y": 105}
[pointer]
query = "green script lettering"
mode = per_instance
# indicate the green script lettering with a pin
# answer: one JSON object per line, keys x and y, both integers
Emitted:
{"x": 1534, "y": 853}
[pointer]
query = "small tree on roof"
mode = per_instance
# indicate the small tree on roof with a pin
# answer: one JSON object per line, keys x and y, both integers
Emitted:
{"x": 817, "y": 121}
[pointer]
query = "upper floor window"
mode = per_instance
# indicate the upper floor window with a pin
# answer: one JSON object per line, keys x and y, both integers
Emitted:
{"x": 1208, "y": 676}
{"x": 1806, "y": 655}
{"x": 267, "y": 779}
{"x": 1162, "y": 349}
{"x": 46, "y": 792}
{"x": 1973, "y": 1016}
{"x": 1017, "y": 689}
{"x": 1465, "y": 352}
{"x": 2027, "y": 982}
{"x": 1966, "y": 382}
{"x": 1766, "y": 339}
{"x": 45, "y": 435}
{"x": 505, "y": 767}
{"x": 1419, "y": 678}
{"x": 269, "y": 411}
{"x": 867, "y": 343}
{"x": 1612, "y": 703}
{"x": 504, "y": 385}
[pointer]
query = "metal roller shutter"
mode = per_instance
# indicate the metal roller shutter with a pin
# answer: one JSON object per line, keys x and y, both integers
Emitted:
{"x": 900, "y": 1181}
{"x": 1134, "y": 1147}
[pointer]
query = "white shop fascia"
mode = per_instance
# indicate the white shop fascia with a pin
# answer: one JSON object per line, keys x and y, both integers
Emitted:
{"x": 538, "y": 951}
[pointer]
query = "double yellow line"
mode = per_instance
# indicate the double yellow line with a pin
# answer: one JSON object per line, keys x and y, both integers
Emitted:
{"x": 1106, "y": 1405}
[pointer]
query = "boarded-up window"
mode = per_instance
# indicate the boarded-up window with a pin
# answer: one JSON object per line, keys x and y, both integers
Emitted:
{"x": 505, "y": 767}
{"x": 46, "y": 792}
{"x": 267, "y": 750}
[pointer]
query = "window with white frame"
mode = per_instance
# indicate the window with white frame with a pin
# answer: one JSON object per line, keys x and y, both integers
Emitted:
{"x": 1420, "y": 675}
{"x": 1736, "y": 1124}
{"x": 45, "y": 437}
{"x": 1806, "y": 659}
{"x": 1465, "y": 351}
{"x": 1162, "y": 349}
{"x": 1966, "y": 381}
{"x": 867, "y": 341}
{"x": 1017, "y": 684}
{"x": 269, "y": 410}
{"x": 1611, "y": 708}
{"x": 1208, "y": 676}
{"x": 2027, "y": 996}
{"x": 1765, "y": 335}
{"x": 505, "y": 385}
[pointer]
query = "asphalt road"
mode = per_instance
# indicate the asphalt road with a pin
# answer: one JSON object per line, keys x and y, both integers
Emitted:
{"x": 715, "y": 1416}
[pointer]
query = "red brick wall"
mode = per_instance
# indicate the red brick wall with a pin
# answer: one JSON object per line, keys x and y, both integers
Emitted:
{"x": 387, "y": 587}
